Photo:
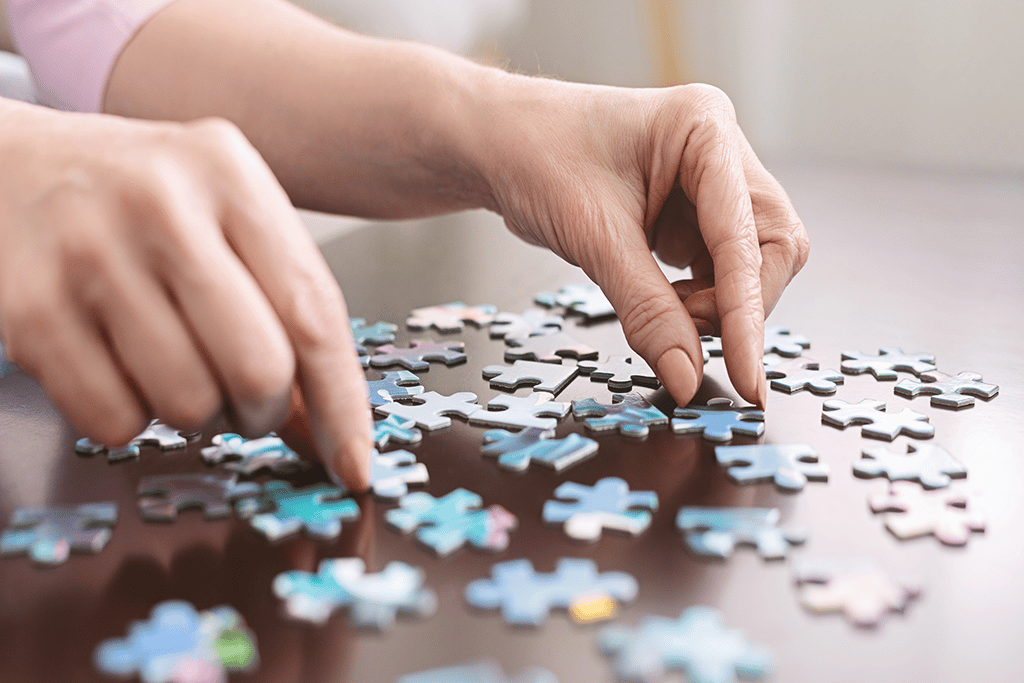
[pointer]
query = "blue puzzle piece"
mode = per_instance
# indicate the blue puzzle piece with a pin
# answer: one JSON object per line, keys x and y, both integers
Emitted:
{"x": 631, "y": 414}
{"x": 478, "y": 672}
{"x": 789, "y": 466}
{"x": 587, "y": 300}
{"x": 446, "y": 524}
{"x": 393, "y": 386}
{"x": 525, "y": 597}
{"x": 249, "y": 456}
{"x": 608, "y": 504}
{"x": 718, "y": 421}
{"x": 715, "y": 532}
{"x": 394, "y": 428}
{"x": 376, "y": 334}
{"x": 373, "y": 600}
{"x": 516, "y": 451}
{"x": 696, "y": 643}
{"x": 281, "y": 510}
{"x": 180, "y": 644}
{"x": 50, "y": 534}
{"x": 392, "y": 472}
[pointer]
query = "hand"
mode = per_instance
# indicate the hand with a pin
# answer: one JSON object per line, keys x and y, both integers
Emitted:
{"x": 160, "y": 269}
{"x": 606, "y": 176}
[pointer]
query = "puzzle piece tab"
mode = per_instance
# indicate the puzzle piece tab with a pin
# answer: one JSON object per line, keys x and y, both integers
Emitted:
{"x": 718, "y": 421}
{"x": 418, "y": 356}
{"x": 281, "y": 510}
{"x": 631, "y": 414}
{"x": 789, "y": 466}
{"x": 620, "y": 372}
{"x": 608, "y": 504}
{"x": 948, "y": 391}
{"x": 249, "y": 456}
{"x": 446, "y": 524}
{"x": 533, "y": 322}
{"x": 373, "y": 600}
{"x": 163, "y": 496}
{"x": 858, "y": 588}
{"x": 696, "y": 643}
{"x": 886, "y": 363}
{"x": 550, "y": 377}
{"x": 431, "y": 410}
{"x": 157, "y": 435}
{"x": 928, "y": 464}
{"x": 915, "y": 512}
{"x": 525, "y": 596}
{"x": 393, "y": 386}
{"x": 516, "y": 451}
{"x": 780, "y": 340}
{"x": 393, "y": 428}
{"x": 179, "y": 644}
{"x": 520, "y": 412}
{"x": 478, "y": 672}
{"x": 450, "y": 317}
{"x": 587, "y": 300}
{"x": 715, "y": 532}
{"x": 50, "y": 534}
{"x": 792, "y": 375}
{"x": 550, "y": 348}
{"x": 878, "y": 424}
{"x": 392, "y": 472}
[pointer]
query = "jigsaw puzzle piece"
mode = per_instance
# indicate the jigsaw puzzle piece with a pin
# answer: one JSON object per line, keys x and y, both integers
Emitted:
{"x": 431, "y": 410}
{"x": 608, "y": 504}
{"x": 163, "y": 496}
{"x": 515, "y": 412}
{"x": 393, "y": 386}
{"x": 249, "y": 456}
{"x": 630, "y": 414}
{"x": 928, "y": 464}
{"x": 281, "y": 510}
{"x": 715, "y": 532}
{"x": 858, "y": 588}
{"x": 620, "y": 372}
{"x": 392, "y": 472}
{"x": 587, "y": 300}
{"x": 886, "y": 363}
{"x": 478, "y": 672}
{"x": 450, "y": 317}
{"x": 50, "y": 534}
{"x": 179, "y": 644}
{"x": 789, "y": 466}
{"x": 393, "y": 428}
{"x": 696, "y": 643}
{"x": 948, "y": 391}
{"x": 711, "y": 347}
{"x": 718, "y": 421}
{"x": 550, "y": 377}
{"x": 877, "y": 424}
{"x": 157, "y": 435}
{"x": 446, "y": 524}
{"x": 780, "y": 340}
{"x": 550, "y": 348}
{"x": 914, "y": 512}
{"x": 376, "y": 334}
{"x": 792, "y": 375}
{"x": 526, "y": 597}
{"x": 419, "y": 355}
{"x": 373, "y": 600}
{"x": 533, "y": 322}
{"x": 516, "y": 451}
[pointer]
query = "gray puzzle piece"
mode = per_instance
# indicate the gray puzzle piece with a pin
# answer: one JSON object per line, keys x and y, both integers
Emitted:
{"x": 550, "y": 348}
{"x": 789, "y": 466}
{"x": 718, "y": 421}
{"x": 948, "y": 391}
{"x": 163, "y": 496}
{"x": 450, "y": 317}
{"x": 886, "y": 363}
{"x": 780, "y": 340}
{"x": 514, "y": 412}
{"x": 549, "y": 377}
{"x": 50, "y": 534}
{"x": 715, "y": 532}
{"x": 792, "y": 375}
{"x": 393, "y": 386}
{"x": 587, "y": 300}
{"x": 418, "y": 356}
{"x": 608, "y": 504}
{"x": 620, "y": 372}
{"x": 878, "y": 424}
{"x": 431, "y": 410}
{"x": 156, "y": 435}
{"x": 516, "y": 451}
{"x": 630, "y": 414}
{"x": 533, "y": 322}
{"x": 930, "y": 465}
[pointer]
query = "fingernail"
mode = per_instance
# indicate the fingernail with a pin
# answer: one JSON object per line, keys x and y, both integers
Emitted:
{"x": 677, "y": 372}
{"x": 761, "y": 392}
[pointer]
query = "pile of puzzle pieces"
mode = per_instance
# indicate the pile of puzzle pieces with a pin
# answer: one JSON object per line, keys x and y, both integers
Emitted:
{"x": 180, "y": 643}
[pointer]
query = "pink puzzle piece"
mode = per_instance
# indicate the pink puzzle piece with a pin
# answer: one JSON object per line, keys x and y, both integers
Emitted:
{"x": 858, "y": 588}
{"x": 915, "y": 512}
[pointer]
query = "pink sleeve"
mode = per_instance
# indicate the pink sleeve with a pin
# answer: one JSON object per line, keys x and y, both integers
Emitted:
{"x": 71, "y": 45}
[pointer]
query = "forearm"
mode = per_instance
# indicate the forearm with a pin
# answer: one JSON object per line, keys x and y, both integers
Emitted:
{"x": 349, "y": 124}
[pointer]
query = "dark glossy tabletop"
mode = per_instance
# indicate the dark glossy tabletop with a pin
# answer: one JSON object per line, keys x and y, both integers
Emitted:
{"x": 926, "y": 262}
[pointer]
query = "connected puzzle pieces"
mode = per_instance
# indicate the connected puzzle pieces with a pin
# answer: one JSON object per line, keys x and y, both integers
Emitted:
{"x": 446, "y": 524}
{"x": 886, "y": 363}
{"x": 549, "y": 348}
{"x": 696, "y": 643}
{"x": 526, "y": 597}
{"x": 521, "y": 412}
{"x": 50, "y": 534}
{"x": 163, "y": 496}
{"x": 860, "y": 589}
{"x": 478, "y": 672}
{"x": 794, "y": 374}
{"x": 392, "y": 472}
{"x": 533, "y": 322}
{"x": 157, "y": 435}
{"x": 631, "y": 414}
{"x": 914, "y": 512}
{"x": 373, "y": 600}
{"x": 948, "y": 391}
{"x": 431, "y": 410}
{"x": 179, "y": 645}
{"x": 715, "y": 532}
{"x": 516, "y": 451}
{"x": 550, "y": 377}
{"x": 249, "y": 456}
{"x": 393, "y": 386}
{"x": 587, "y": 300}
{"x": 620, "y": 372}
{"x": 877, "y": 424}
{"x": 608, "y": 504}
{"x": 450, "y": 317}
{"x": 930, "y": 465}
{"x": 417, "y": 357}
{"x": 789, "y": 466}
{"x": 281, "y": 510}
{"x": 718, "y": 421}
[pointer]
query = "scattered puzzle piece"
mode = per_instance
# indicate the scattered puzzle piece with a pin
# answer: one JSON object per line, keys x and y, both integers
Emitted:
{"x": 430, "y": 411}
{"x": 718, "y": 421}
{"x": 478, "y": 672}
{"x": 249, "y": 456}
{"x": 789, "y": 466}
{"x": 878, "y": 424}
{"x": 392, "y": 472}
{"x": 857, "y": 588}
{"x": 696, "y": 643}
{"x": 446, "y": 524}
{"x": 179, "y": 645}
{"x": 631, "y": 414}
{"x": 587, "y": 300}
{"x": 886, "y": 363}
{"x": 792, "y": 375}
{"x": 549, "y": 377}
{"x": 373, "y": 600}
{"x": 780, "y": 340}
{"x": 417, "y": 356}
{"x": 157, "y": 435}
{"x": 163, "y": 496}
{"x": 49, "y": 534}
{"x": 375, "y": 334}
{"x": 915, "y": 512}
{"x": 516, "y": 451}
{"x": 550, "y": 348}
{"x": 608, "y": 504}
{"x": 620, "y": 372}
{"x": 393, "y": 386}
{"x": 929, "y": 464}
{"x": 515, "y": 412}
{"x": 393, "y": 428}
{"x": 281, "y": 510}
{"x": 533, "y": 322}
{"x": 948, "y": 391}
{"x": 715, "y": 532}
{"x": 450, "y": 317}
{"x": 525, "y": 596}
